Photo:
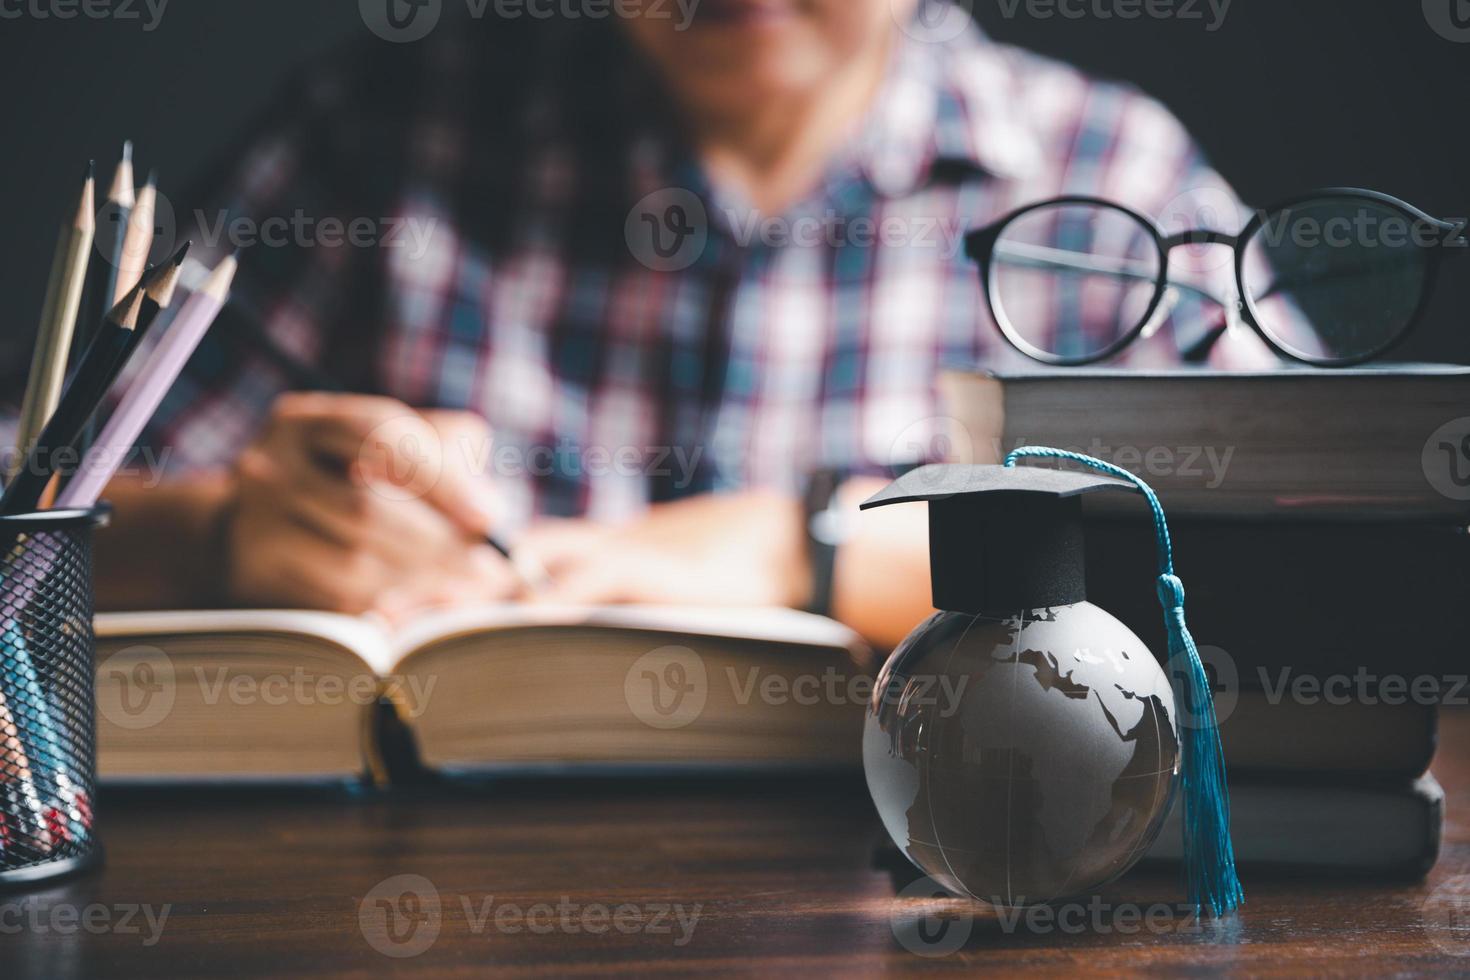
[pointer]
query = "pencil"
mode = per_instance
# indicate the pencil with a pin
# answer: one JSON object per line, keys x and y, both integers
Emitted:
{"x": 49, "y": 751}
{"x": 158, "y": 287}
{"x": 58, "y": 319}
{"x": 88, "y": 386}
{"x": 18, "y": 787}
{"x": 102, "y": 274}
{"x": 155, "y": 378}
{"x": 137, "y": 241}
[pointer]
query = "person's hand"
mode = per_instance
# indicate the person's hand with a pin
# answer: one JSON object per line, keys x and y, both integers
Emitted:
{"x": 737, "y": 549}
{"x": 353, "y": 503}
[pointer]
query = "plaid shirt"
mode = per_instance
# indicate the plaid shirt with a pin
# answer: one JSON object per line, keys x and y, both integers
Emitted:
{"x": 507, "y": 174}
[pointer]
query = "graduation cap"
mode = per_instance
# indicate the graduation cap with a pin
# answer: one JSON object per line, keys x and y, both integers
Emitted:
{"x": 1007, "y": 539}
{"x": 1002, "y": 538}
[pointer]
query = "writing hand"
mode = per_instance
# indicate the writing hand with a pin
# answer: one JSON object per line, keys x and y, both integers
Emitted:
{"x": 353, "y": 503}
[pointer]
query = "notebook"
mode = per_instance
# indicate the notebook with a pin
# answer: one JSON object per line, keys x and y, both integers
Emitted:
{"x": 1390, "y": 441}
{"x": 290, "y": 695}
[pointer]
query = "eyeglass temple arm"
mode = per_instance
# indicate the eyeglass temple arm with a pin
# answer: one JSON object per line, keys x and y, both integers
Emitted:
{"x": 1044, "y": 257}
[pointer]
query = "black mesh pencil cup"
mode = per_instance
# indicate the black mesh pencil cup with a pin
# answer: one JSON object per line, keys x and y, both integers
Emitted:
{"x": 47, "y": 729}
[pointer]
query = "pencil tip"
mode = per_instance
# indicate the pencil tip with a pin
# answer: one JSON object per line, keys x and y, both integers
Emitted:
{"x": 125, "y": 313}
{"x": 163, "y": 279}
{"x": 219, "y": 281}
{"x": 86, "y": 218}
{"x": 152, "y": 180}
{"x": 122, "y": 191}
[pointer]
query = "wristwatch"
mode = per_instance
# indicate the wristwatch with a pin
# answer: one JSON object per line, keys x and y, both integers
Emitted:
{"x": 827, "y": 528}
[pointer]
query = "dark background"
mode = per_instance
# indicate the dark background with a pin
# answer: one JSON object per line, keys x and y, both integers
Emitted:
{"x": 1286, "y": 95}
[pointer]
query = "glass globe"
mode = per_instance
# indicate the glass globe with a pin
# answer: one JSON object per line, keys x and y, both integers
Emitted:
{"x": 1025, "y": 758}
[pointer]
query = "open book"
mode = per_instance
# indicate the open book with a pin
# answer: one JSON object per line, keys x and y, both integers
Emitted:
{"x": 286, "y": 695}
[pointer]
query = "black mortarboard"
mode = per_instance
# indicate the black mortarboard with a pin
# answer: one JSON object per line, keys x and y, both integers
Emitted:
{"x": 1001, "y": 539}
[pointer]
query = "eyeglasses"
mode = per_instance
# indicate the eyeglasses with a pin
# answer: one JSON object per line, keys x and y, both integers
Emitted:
{"x": 1331, "y": 278}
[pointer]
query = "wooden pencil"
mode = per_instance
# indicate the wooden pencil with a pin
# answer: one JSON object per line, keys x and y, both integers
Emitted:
{"x": 88, "y": 385}
{"x": 158, "y": 291}
{"x": 102, "y": 274}
{"x": 138, "y": 241}
{"x": 85, "y": 393}
{"x": 146, "y": 393}
{"x": 18, "y": 791}
{"x": 58, "y": 319}
{"x": 158, "y": 288}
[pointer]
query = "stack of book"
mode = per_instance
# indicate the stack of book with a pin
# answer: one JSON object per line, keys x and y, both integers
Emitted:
{"x": 1319, "y": 527}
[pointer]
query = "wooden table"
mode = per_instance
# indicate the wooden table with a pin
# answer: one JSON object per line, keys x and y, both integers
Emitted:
{"x": 559, "y": 878}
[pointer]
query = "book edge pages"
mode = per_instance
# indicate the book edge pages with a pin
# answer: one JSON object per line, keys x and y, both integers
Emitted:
{"x": 357, "y": 636}
{"x": 737, "y": 623}
{"x": 352, "y": 634}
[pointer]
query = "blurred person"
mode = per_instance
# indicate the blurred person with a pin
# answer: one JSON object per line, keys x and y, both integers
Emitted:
{"x": 643, "y": 296}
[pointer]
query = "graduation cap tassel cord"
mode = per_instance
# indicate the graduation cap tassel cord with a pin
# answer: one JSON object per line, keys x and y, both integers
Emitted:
{"x": 1209, "y": 858}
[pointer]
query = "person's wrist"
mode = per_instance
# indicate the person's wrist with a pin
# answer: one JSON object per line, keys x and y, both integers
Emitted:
{"x": 798, "y": 587}
{"x": 778, "y": 520}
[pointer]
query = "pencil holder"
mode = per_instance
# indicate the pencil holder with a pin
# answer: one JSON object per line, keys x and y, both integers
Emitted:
{"x": 48, "y": 732}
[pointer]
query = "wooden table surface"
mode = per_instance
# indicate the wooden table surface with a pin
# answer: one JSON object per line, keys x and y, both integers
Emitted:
{"x": 560, "y": 878}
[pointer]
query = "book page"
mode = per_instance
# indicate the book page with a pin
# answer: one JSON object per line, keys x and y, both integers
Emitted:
{"x": 382, "y": 651}
{"x": 768, "y": 624}
{"x": 360, "y": 636}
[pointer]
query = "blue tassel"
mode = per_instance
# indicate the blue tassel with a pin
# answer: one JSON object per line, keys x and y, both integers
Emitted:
{"x": 1209, "y": 857}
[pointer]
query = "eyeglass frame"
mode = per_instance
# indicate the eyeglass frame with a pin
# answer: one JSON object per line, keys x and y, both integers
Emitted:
{"x": 980, "y": 248}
